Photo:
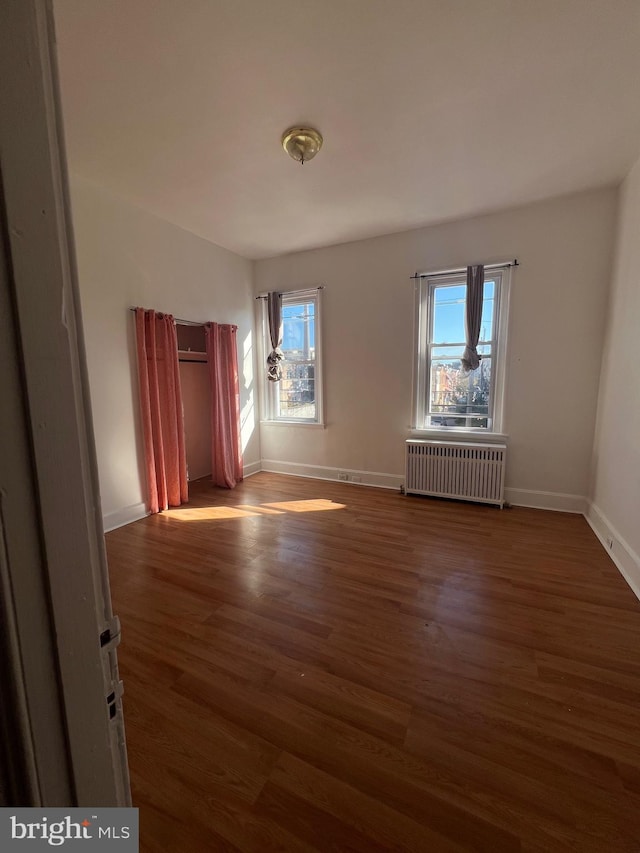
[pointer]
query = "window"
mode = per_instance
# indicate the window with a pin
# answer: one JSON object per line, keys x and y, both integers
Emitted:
{"x": 445, "y": 396}
{"x": 297, "y": 397}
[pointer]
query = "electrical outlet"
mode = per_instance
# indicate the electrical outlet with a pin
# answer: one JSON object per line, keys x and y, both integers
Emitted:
{"x": 342, "y": 475}
{"x": 355, "y": 478}
{"x": 610, "y": 543}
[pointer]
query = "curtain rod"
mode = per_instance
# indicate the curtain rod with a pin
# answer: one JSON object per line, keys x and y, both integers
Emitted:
{"x": 502, "y": 265}
{"x": 319, "y": 287}
{"x": 177, "y": 319}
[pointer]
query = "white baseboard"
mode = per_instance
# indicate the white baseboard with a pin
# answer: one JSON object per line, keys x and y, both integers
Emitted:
{"x": 556, "y": 501}
{"x": 120, "y": 517}
{"x": 193, "y": 478}
{"x": 321, "y": 472}
{"x": 251, "y": 469}
{"x": 123, "y": 516}
{"x": 622, "y": 554}
{"x": 247, "y": 471}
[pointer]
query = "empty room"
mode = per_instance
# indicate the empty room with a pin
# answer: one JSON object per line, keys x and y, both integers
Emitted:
{"x": 359, "y": 291}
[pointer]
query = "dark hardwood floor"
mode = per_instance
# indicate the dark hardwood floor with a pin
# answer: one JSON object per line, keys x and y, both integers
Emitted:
{"x": 317, "y": 666}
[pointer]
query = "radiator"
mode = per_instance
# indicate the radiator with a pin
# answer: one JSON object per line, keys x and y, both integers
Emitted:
{"x": 463, "y": 470}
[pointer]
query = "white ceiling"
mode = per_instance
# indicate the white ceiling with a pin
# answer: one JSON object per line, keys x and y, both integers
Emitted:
{"x": 431, "y": 109}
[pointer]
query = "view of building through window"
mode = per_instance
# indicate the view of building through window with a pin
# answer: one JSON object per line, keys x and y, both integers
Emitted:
{"x": 296, "y": 391}
{"x": 457, "y": 398}
{"x": 445, "y": 395}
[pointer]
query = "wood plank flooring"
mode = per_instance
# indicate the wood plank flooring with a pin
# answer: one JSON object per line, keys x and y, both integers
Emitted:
{"x": 313, "y": 666}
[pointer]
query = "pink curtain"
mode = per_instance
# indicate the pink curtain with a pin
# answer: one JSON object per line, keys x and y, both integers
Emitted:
{"x": 161, "y": 410}
{"x": 226, "y": 449}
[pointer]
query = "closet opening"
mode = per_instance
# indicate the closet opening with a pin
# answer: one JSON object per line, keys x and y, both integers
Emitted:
{"x": 196, "y": 398}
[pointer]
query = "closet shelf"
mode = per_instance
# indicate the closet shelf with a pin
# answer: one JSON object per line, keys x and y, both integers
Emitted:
{"x": 191, "y": 355}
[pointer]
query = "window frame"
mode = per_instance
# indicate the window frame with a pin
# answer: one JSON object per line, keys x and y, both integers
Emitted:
{"x": 270, "y": 389}
{"x": 424, "y": 313}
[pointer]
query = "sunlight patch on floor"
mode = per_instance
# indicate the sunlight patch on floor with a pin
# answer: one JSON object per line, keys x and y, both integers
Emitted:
{"x": 305, "y": 506}
{"x": 223, "y": 513}
{"x": 206, "y": 513}
{"x": 261, "y": 509}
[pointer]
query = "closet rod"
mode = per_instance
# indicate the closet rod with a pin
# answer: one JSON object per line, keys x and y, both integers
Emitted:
{"x": 177, "y": 319}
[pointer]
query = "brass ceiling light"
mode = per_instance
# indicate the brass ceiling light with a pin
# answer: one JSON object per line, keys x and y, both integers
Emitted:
{"x": 302, "y": 143}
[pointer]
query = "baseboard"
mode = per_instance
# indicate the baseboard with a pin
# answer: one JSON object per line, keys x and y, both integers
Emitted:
{"x": 193, "y": 478}
{"x": 251, "y": 469}
{"x": 622, "y": 554}
{"x": 123, "y": 516}
{"x": 113, "y": 520}
{"x": 322, "y": 472}
{"x": 556, "y": 501}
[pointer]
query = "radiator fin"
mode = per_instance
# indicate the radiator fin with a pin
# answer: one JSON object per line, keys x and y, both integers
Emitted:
{"x": 464, "y": 470}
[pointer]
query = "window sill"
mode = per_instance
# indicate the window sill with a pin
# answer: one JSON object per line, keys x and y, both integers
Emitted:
{"x": 454, "y": 434}
{"x": 292, "y": 423}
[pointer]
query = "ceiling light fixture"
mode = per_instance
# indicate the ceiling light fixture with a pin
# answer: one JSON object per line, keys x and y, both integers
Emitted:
{"x": 302, "y": 143}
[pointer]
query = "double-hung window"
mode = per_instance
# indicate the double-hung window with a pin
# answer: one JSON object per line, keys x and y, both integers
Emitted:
{"x": 297, "y": 397}
{"x": 446, "y": 397}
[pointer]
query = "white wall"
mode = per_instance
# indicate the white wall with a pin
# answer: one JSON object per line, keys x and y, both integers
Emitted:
{"x": 556, "y": 330}
{"x": 129, "y": 257}
{"x": 615, "y": 510}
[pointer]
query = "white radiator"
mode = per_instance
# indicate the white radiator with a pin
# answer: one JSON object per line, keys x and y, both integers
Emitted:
{"x": 463, "y": 470}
